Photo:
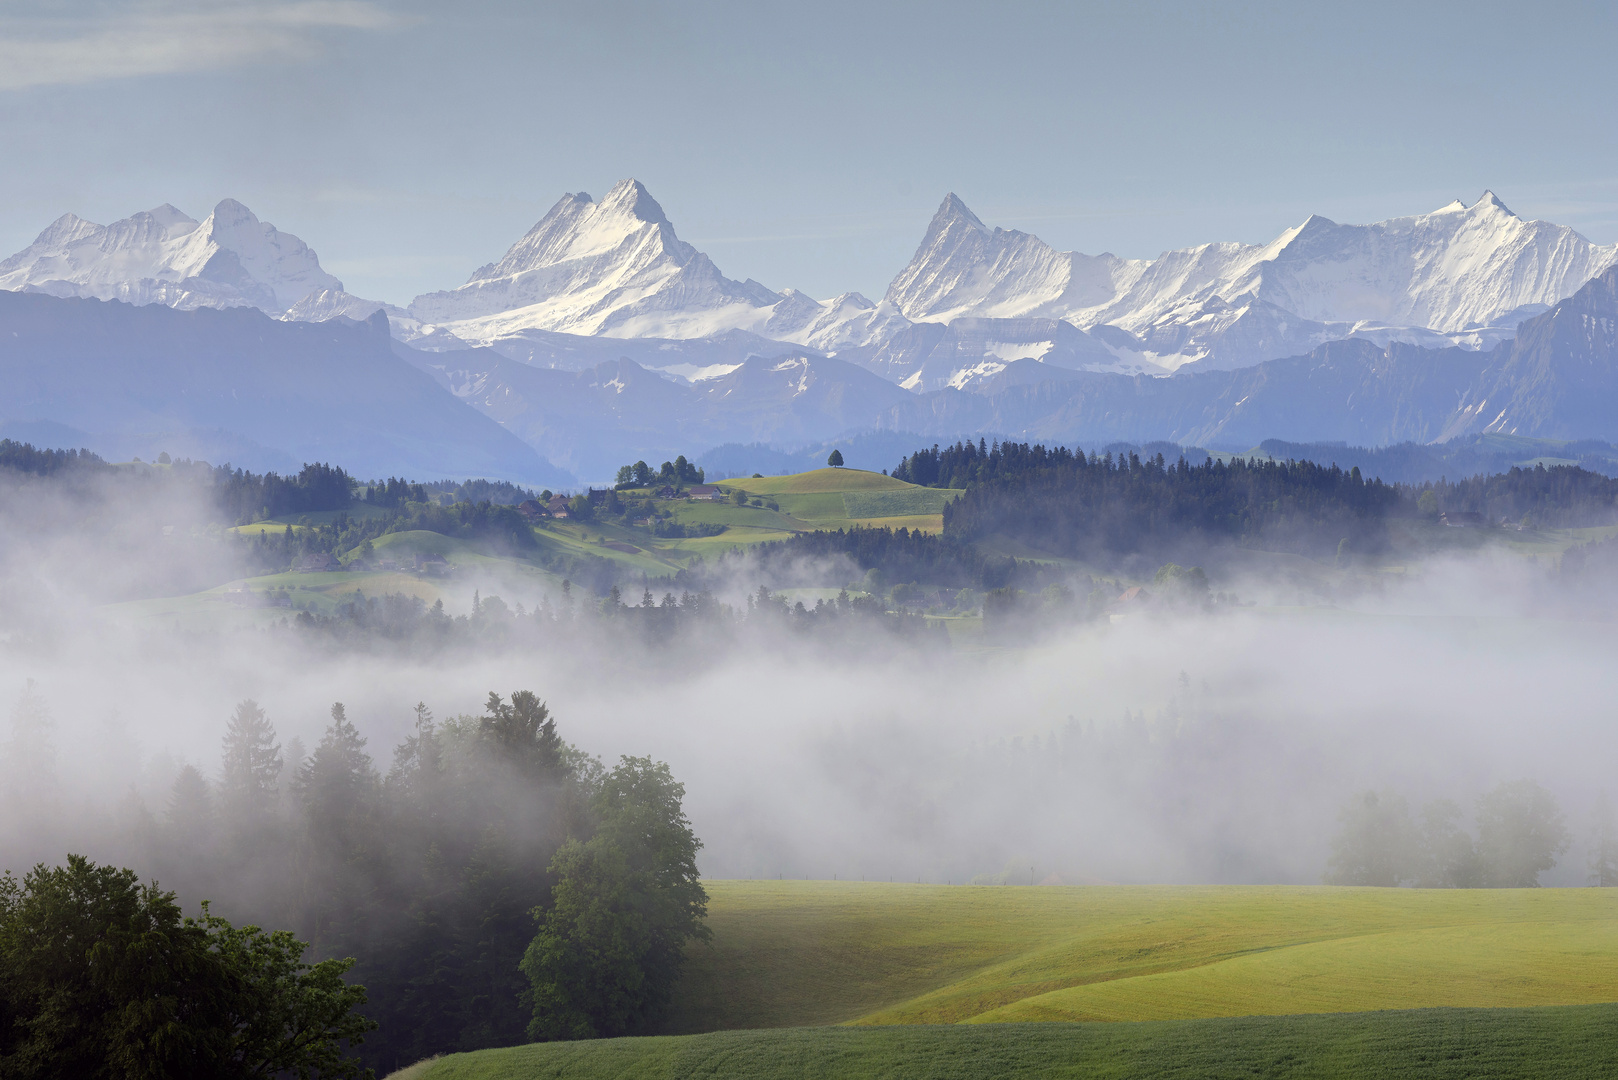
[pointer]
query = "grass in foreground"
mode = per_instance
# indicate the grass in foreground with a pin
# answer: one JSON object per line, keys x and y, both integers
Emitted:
{"x": 794, "y": 953}
{"x": 1567, "y": 1043}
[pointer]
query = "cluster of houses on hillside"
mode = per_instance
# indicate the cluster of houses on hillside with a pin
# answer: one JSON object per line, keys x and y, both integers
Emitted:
{"x": 534, "y": 510}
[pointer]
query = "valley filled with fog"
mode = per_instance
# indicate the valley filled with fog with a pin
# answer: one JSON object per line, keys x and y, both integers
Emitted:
{"x": 1212, "y": 744}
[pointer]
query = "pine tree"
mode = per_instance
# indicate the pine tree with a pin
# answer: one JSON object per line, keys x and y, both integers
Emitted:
{"x": 523, "y": 734}
{"x": 252, "y": 765}
{"x": 191, "y": 813}
{"x": 418, "y": 762}
{"x": 338, "y": 777}
{"x": 190, "y": 800}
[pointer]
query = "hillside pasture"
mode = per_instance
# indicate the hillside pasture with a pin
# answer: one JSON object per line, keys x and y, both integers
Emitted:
{"x": 793, "y": 953}
{"x": 845, "y": 498}
{"x": 817, "y": 480}
{"x": 888, "y": 504}
{"x": 1567, "y": 1043}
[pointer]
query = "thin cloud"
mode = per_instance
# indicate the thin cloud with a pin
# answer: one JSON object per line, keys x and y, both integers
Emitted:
{"x": 167, "y": 38}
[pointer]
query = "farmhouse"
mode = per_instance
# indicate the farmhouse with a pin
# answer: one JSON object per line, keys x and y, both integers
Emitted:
{"x": 705, "y": 492}
{"x": 558, "y": 506}
{"x": 1134, "y": 596}
{"x": 318, "y": 563}
{"x": 430, "y": 562}
{"x": 531, "y": 510}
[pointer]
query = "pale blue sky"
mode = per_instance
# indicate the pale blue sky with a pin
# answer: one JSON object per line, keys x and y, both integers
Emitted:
{"x": 804, "y": 145}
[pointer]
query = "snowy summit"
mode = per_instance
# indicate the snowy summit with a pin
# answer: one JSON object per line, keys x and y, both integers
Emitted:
{"x": 163, "y": 256}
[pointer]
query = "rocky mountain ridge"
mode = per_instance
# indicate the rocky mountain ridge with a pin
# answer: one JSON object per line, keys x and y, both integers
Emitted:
{"x": 615, "y": 269}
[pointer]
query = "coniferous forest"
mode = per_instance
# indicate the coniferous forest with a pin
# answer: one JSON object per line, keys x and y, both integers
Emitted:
{"x": 491, "y": 884}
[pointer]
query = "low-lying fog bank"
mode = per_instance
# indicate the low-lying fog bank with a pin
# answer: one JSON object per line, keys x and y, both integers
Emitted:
{"x": 1157, "y": 747}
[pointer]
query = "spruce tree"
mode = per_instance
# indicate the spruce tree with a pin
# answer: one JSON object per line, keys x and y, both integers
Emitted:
{"x": 251, "y": 772}
{"x": 338, "y": 776}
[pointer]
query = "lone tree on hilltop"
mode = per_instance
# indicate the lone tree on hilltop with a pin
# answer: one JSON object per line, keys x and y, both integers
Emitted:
{"x": 836, "y": 459}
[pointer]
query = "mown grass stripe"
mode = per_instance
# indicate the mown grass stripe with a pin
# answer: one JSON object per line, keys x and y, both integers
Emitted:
{"x": 1556, "y": 1043}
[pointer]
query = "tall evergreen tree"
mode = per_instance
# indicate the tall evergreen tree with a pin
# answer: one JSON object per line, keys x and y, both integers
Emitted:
{"x": 338, "y": 777}
{"x": 252, "y": 766}
{"x": 523, "y": 734}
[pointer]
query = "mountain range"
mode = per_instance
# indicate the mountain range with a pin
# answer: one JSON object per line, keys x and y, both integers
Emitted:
{"x": 600, "y": 336}
{"x": 236, "y": 386}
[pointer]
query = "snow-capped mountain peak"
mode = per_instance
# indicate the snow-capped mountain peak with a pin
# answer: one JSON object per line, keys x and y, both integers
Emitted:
{"x": 164, "y": 256}
{"x": 1459, "y": 275}
{"x": 611, "y": 267}
{"x": 965, "y": 268}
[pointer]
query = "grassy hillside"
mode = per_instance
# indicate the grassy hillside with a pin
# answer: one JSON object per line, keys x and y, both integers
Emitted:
{"x": 840, "y": 498}
{"x": 818, "y": 480}
{"x": 1439, "y": 1044}
{"x": 793, "y": 953}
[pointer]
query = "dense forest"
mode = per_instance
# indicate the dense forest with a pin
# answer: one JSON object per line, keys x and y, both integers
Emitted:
{"x": 686, "y": 625}
{"x": 1124, "y": 511}
{"x": 493, "y": 883}
{"x": 1087, "y": 506}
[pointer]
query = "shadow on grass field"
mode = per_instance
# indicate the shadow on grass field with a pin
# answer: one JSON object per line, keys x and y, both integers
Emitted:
{"x": 789, "y": 953}
{"x": 1564, "y": 1043}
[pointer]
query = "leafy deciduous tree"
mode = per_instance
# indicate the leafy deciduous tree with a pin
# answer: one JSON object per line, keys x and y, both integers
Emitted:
{"x": 102, "y": 977}
{"x": 1376, "y": 844}
{"x": 625, "y": 903}
{"x": 1521, "y": 831}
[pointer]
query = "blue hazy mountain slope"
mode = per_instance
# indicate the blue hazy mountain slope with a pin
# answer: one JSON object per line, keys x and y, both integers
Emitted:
{"x": 1557, "y": 379}
{"x": 237, "y": 385}
{"x": 616, "y": 411}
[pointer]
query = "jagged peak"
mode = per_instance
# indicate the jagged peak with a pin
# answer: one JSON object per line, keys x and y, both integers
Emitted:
{"x": 231, "y": 212}
{"x": 953, "y": 209}
{"x": 1454, "y": 206}
{"x": 1491, "y": 202}
{"x": 65, "y": 229}
{"x": 1315, "y": 223}
{"x": 168, "y": 215}
{"x": 631, "y": 197}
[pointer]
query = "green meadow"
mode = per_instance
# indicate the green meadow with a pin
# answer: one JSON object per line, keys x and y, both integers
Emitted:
{"x": 849, "y": 979}
{"x": 1568, "y": 1043}
{"x": 794, "y": 953}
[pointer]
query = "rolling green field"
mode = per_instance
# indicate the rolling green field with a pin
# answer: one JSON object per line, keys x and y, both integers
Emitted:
{"x": 854, "y": 979}
{"x": 794, "y": 953}
{"x": 819, "y": 481}
{"x": 1569, "y": 1043}
{"x": 841, "y": 498}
